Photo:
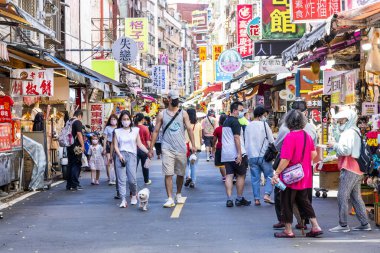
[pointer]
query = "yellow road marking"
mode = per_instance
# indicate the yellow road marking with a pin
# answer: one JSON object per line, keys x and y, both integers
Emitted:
{"x": 177, "y": 210}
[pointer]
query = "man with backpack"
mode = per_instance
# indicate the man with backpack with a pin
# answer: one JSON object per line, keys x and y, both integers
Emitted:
{"x": 174, "y": 122}
{"x": 75, "y": 150}
{"x": 349, "y": 151}
{"x": 209, "y": 124}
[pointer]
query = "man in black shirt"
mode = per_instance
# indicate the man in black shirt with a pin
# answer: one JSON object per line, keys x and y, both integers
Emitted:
{"x": 74, "y": 154}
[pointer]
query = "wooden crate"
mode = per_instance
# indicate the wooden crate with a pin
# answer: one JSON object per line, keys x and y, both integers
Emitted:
{"x": 377, "y": 214}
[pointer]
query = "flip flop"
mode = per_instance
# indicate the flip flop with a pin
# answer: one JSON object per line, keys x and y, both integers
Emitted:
{"x": 284, "y": 235}
{"x": 314, "y": 233}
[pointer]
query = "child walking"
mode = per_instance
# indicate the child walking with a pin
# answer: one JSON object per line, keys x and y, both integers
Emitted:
{"x": 96, "y": 159}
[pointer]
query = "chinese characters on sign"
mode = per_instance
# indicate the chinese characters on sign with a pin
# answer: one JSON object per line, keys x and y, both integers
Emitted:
{"x": 244, "y": 16}
{"x": 336, "y": 90}
{"x": 202, "y": 53}
{"x": 216, "y": 51}
{"x": 163, "y": 59}
{"x": 180, "y": 71}
{"x": 96, "y": 112}
{"x": 369, "y": 108}
{"x": 137, "y": 29}
{"x": 124, "y": 50}
{"x": 32, "y": 82}
{"x": 160, "y": 77}
{"x": 272, "y": 66}
{"x": 220, "y": 75}
{"x": 5, "y": 136}
{"x": 276, "y": 22}
{"x": 313, "y": 10}
{"x": 254, "y": 29}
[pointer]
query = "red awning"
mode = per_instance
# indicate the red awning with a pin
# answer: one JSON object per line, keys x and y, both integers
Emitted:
{"x": 212, "y": 88}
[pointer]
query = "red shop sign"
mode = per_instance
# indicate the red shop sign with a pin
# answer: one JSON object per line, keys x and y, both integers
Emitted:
{"x": 244, "y": 16}
{"x": 313, "y": 10}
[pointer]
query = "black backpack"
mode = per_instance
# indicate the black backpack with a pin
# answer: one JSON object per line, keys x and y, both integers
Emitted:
{"x": 365, "y": 160}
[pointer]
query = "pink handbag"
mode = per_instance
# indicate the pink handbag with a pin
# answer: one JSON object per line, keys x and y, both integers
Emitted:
{"x": 294, "y": 173}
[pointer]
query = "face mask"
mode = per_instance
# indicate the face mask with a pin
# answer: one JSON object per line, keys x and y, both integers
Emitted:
{"x": 95, "y": 142}
{"x": 126, "y": 123}
{"x": 241, "y": 115}
{"x": 263, "y": 119}
{"x": 175, "y": 102}
{"x": 113, "y": 122}
{"x": 342, "y": 127}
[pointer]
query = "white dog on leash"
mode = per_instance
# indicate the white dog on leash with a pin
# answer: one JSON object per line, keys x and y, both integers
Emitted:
{"x": 143, "y": 196}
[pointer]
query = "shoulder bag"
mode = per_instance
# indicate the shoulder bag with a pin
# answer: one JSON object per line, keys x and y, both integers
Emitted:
{"x": 171, "y": 121}
{"x": 295, "y": 173}
{"x": 210, "y": 122}
{"x": 271, "y": 152}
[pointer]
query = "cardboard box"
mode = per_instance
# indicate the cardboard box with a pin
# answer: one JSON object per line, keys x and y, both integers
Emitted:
{"x": 368, "y": 195}
{"x": 329, "y": 180}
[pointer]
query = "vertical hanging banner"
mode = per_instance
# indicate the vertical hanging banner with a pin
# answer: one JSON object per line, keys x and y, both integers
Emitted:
{"x": 313, "y": 10}
{"x": 164, "y": 79}
{"x": 163, "y": 59}
{"x": 276, "y": 22}
{"x": 202, "y": 53}
{"x": 156, "y": 77}
{"x": 180, "y": 67}
{"x": 244, "y": 16}
{"x": 96, "y": 112}
{"x": 137, "y": 29}
{"x": 216, "y": 51}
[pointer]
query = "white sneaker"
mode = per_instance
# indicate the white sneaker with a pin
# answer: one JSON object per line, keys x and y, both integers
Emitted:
{"x": 179, "y": 199}
{"x": 111, "y": 183}
{"x": 134, "y": 200}
{"x": 340, "y": 229}
{"x": 123, "y": 204}
{"x": 169, "y": 203}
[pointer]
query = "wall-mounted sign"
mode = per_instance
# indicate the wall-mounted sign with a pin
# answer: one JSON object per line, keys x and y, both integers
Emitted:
{"x": 230, "y": 61}
{"x": 137, "y": 29}
{"x": 244, "y": 15}
{"x": 369, "y": 108}
{"x": 202, "y": 53}
{"x": 254, "y": 29}
{"x": 216, "y": 51}
{"x": 276, "y": 23}
{"x": 272, "y": 66}
{"x": 220, "y": 75}
{"x": 125, "y": 50}
{"x": 270, "y": 48}
{"x": 32, "y": 82}
{"x": 163, "y": 59}
{"x": 327, "y": 78}
{"x": 313, "y": 10}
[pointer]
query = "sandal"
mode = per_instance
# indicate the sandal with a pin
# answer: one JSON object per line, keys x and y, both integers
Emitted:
{"x": 314, "y": 233}
{"x": 283, "y": 234}
{"x": 257, "y": 203}
{"x": 269, "y": 201}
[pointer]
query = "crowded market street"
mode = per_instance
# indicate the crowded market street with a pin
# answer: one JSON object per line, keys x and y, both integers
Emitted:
{"x": 91, "y": 221}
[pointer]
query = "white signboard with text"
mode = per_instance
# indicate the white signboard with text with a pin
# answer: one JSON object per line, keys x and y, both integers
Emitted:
{"x": 272, "y": 66}
{"x": 32, "y": 82}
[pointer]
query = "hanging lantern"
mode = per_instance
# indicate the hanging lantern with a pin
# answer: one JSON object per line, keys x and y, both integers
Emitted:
{"x": 315, "y": 67}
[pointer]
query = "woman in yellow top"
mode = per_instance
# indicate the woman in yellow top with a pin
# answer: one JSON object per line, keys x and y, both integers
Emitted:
{"x": 193, "y": 163}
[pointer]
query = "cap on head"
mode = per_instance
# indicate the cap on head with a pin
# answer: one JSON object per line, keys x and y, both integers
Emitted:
{"x": 173, "y": 94}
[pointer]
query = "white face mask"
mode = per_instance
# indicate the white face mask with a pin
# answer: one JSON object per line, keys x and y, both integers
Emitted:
{"x": 241, "y": 115}
{"x": 113, "y": 122}
{"x": 126, "y": 123}
{"x": 342, "y": 127}
{"x": 264, "y": 119}
{"x": 95, "y": 142}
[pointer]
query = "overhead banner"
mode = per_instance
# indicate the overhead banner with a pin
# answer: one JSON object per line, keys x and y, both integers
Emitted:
{"x": 276, "y": 22}
{"x": 271, "y": 48}
{"x": 202, "y": 53}
{"x": 244, "y": 16}
{"x": 216, "y": 51}
{"x": 313, "y": 10}
{"x": 32, "y": 82}
{"x": 272, "y": 66}
{"x": 137, "y": 29}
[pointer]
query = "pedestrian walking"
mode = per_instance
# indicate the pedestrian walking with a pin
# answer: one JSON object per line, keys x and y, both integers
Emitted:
{"x": 108, "y": 136}
{"x": 75, "y": 152}
{"x": 217, "y": 146}
{"x": 192, "y": 162}
{"x": 234, "y": 155}
{"x": 347, "y": 149}
{"x": 126, "y": 141}
{"x": 174, "y": 121}
{"x": 301, "y": 155}
{"x": 157, "y": 145}
{"x": 96, "y": 161}
{"x": 258, "y": 136}
{"x": 145, "y": 139}
{"x": 148, "y": 123}
{"x": 209, "y": 124}
{"x": 301, "y": 106}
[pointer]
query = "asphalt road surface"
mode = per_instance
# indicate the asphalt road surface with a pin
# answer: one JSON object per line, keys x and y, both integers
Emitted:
{"x": 91, "y": 221}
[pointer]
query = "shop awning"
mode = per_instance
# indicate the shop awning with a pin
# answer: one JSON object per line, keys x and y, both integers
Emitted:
{"x": 256, "y": 80}
{"x": 228, "y": 84}
{"x": 136, "y": 71}
{"x": 213, "y": 88}
{"x": 10, "y": 11}
{"x": 22, "y": 56}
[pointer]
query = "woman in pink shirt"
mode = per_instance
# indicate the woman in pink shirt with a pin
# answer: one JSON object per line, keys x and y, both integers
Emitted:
{"x": 298, "y": 147}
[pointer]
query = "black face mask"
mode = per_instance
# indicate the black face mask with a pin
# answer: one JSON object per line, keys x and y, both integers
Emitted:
{"x": 175, "y": 102}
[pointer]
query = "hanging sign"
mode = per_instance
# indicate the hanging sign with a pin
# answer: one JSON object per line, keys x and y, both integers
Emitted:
{"x": 124, "y": 50}
{"x": 216, "y": 51}
{"x": 202, "y": 53}
{"x": 254, "y": 29}
{"x": 313, "y": 10}
{"x": 32, "y": 82}
{"x": 327, "y": 79}
{"x": 137, "y": 29}
{"x": 369, "y": 108}
{"x": 350, "y": 80}
{"x": 180, "y": 71}
{"x": 163, "y": 59}
{"x": 244, "y": 15}
{"x": 276, "y": 23}
{"x": 164, "y": 79}
{"x": 230, "y": 61}
{"x": 96, "y": 115}
{"x": 336, "y": 90}
{"x": 272, "y": 66}
{"x": 220, "y": 75}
